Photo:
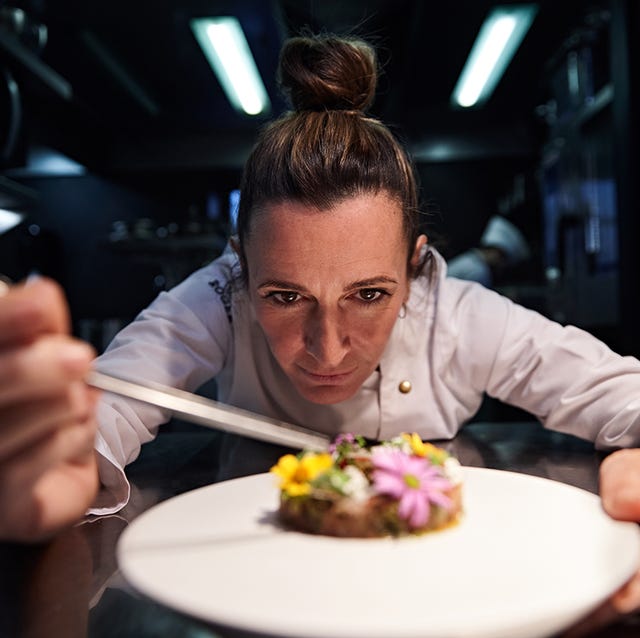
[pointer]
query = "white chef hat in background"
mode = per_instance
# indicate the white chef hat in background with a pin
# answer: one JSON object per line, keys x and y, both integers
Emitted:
{"x": 501, "y": 233}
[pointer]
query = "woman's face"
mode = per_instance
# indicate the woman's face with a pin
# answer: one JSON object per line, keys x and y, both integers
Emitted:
{"x": 327, "y": 287}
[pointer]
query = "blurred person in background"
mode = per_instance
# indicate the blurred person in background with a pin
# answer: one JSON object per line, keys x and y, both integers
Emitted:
{"x": 501, "y": 246}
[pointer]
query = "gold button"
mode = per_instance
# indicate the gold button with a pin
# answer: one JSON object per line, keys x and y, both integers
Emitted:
{"x": 405, "y": 387}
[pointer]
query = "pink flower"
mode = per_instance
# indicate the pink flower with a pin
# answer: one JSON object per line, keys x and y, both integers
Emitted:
{"x": 412, "y": 480}
{"x": 340, "y": 440}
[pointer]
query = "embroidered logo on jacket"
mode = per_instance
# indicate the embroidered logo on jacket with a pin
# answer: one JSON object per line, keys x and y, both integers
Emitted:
{"x": 224, "y": 291}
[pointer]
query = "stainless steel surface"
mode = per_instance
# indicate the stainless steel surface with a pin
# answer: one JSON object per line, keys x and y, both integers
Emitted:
{"x": 71, "y": 586}
{"x": 212, "y": 414}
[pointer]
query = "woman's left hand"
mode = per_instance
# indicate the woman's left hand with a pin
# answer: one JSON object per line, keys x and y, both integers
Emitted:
{"x": 620, "y": 493}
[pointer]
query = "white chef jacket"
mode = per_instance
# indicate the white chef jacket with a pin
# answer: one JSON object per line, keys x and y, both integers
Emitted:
{"x": 456, "y": 341}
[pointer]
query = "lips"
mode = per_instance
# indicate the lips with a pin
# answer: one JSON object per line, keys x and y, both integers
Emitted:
{"x": 328, "y": 378}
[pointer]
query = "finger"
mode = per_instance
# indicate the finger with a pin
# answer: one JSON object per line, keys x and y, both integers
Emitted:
{"x": 71, "y": 443}
{"x": 43, "y": 368}
{"x": 56, "y": 481}
{"x": 25, "y": 423}
{"x": 72, "y": 474}
{"x": 58, "y": 499}
{"x": 627, "y": 599}
{"x": 620, "y": 484}
{"x": 604, "y": 615}
{"x": 32, "y": 309}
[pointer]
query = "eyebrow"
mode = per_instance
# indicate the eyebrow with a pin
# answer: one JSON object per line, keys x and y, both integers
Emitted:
{"x": 361, "y": 283}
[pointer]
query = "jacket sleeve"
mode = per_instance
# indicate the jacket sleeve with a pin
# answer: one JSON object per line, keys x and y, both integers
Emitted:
{"x": 566, "y": 377}
{"x": 182, "y": 340}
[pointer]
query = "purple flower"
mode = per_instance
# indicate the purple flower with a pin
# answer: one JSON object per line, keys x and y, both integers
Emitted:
{"x": 340, "y": 440}
{"x": 412, "y": 480}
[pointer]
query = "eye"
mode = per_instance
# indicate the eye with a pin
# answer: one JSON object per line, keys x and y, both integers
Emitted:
{"x": 371, "y": 295}
{"x": 284, "y": 297}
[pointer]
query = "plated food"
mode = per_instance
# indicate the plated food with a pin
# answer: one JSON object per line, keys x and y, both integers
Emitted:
{"x": 360, "y": 489}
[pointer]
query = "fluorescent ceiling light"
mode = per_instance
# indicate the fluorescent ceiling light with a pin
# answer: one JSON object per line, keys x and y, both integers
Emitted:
{"x": 498, "y": 39}
{"x": 228, "y": 53}
{"x": 9, "y": 219}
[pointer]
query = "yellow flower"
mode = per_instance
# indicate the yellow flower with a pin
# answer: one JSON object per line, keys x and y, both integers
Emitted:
{"x": 416, "y": 443}
{"x": 436, "y": 455}
{"x": 296, "y": 473}
{"x": 421, "y": 448}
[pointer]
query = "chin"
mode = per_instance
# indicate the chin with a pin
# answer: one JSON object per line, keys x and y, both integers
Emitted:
{"x": 326, "y": 394}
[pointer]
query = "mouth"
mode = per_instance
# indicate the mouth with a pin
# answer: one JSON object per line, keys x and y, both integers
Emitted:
{"x": 328, "y": 378}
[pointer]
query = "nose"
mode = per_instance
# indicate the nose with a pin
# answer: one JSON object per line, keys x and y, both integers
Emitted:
{"x": 326, "y": 337}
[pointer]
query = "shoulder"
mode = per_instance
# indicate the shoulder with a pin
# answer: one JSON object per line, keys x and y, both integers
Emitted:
{"x": 457, "y": 301}
{"x": 200, "y": 307}
{"x": 468, "y": 322}
{"x": 211, "y": 287}
{"x": 471, "y": 301}
{"x": 483, "y": 325}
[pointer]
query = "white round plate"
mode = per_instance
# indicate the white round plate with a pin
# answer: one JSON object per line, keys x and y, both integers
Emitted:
{"x": 530, "y": 557}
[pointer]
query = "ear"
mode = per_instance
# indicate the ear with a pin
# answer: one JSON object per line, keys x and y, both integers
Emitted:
{"x": 416, "y": 257}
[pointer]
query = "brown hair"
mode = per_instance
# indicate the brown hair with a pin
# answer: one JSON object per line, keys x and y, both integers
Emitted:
{"x": 327, "y": 148}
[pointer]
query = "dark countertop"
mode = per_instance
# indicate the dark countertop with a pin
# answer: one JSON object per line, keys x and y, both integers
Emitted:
{"x": 71, "y": 587}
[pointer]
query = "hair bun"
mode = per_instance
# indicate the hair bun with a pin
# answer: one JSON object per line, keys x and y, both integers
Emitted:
{"x": 328, "y": 72}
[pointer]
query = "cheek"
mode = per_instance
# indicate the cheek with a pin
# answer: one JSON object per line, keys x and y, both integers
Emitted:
{"x": 370, "y": 334}
{"x": 368, "y": 331}
{"x": 284, "y": 334}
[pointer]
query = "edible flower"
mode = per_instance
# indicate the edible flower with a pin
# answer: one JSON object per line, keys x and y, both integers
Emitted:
{"x": 296, "y": 473}
{"x": 346, "y": 443}
{"x": 416, "y": 444}
{"x": 424, "y": 449}
{"x": 412, "y": 480}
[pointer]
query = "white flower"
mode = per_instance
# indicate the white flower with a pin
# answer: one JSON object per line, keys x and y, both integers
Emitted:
{"x": 398, "y": 442}
{"x": 453, "y": 470}
{"x": 357, "y": 485}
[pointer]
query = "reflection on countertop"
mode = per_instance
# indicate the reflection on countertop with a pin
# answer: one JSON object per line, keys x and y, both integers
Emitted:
{"x": 71, "y": 586}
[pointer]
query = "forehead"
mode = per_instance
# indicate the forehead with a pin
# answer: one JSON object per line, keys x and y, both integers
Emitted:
{"x": 364, "y": 229}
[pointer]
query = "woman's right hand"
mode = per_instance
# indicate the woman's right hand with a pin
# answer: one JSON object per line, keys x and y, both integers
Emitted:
{"x": 48, "y": 471}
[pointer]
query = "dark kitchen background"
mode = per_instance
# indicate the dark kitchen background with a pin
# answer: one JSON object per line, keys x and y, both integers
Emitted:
{"x": 123, "y": 156}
